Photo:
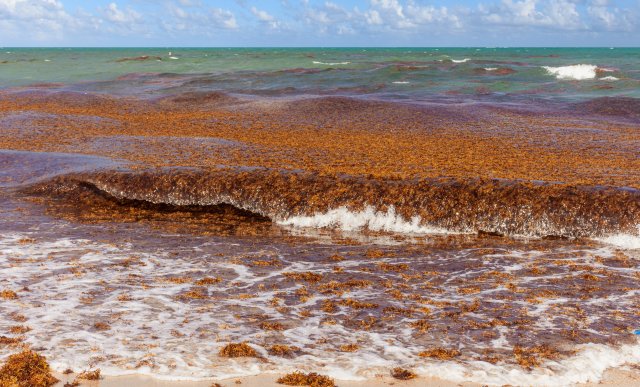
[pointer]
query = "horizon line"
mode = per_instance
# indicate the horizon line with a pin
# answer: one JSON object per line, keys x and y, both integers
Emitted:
{"x": 320, "y": 47}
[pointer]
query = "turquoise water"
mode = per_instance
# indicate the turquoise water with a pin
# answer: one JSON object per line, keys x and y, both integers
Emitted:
{"x": 499, "y": 74}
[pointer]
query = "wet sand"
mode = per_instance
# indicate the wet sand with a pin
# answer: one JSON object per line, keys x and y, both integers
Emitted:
{"x": 612, "y": 378}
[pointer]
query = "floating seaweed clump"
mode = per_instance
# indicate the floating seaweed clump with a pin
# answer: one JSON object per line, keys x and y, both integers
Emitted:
{"x": 90, "y": 375}
{"x": 421, "y": 325}
{"x": 208, "y": 281}
{"x": 301, "y": 379}
{"x": 338, "y": 288}
{"x": 101, "y": 326}
{"x": 440, "y": 353}
{"x": 402, "y": 374}
{"x": 238, "y": 350}
{"x": 349, "y": 347}
{"x": 8, "y": 295}
{"x": 272, "y": 326}
{"x": 26, "y": 369}
{"x": 355, "y": 304}
{"x": 9, "y": 340}
{"x": 19, "y": 329}
{"x": 307, "y": 276}
{"x": 283, "y": 350}
{"x": 529, "y": 358}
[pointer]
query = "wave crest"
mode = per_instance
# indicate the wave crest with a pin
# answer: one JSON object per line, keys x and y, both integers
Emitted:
{"x": 404, "y": 206}
{"x": 573, "y": 72}
{"x": 369, "y": 218}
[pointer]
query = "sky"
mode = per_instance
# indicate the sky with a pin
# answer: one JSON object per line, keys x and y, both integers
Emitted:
{"x": 306, "y": 23}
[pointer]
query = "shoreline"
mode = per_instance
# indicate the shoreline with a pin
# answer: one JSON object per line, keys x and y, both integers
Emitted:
{"x": 614, "y": 377}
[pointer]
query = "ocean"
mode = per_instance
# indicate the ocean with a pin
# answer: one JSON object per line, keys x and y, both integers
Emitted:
{"x": 471, "y": 214}
{"x": 507, "y": 75}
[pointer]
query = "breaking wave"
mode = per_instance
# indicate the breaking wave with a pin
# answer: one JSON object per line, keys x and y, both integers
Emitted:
{"x": 574, "y": 72}
{"x": 331, "y": 63}
{"x": 369, "y": 218}
{"x": 496, "y": 207}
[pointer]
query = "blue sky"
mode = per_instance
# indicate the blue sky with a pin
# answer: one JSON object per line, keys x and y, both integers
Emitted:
{"x": 319, "y": 23}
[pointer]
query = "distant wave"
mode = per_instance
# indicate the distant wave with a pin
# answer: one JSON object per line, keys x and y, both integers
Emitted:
{"x": 331, "y": 63}
{"x": 573, "y": 72}
{"x": 609, "y": 78}
{"x": 460, "y": 60}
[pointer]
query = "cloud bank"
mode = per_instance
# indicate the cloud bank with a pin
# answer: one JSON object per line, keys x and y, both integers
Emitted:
{"x": 328, "y": 23}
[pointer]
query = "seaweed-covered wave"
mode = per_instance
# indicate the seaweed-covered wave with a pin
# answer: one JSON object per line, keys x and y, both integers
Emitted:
{"x": 490, "y": 206}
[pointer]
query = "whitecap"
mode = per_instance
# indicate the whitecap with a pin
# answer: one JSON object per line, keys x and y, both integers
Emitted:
{"x": 460, "y": 60}
{"x": 609, "y": 78}
{"x": 173, "y": 57}
{"x": 331, "y": 63}
{"x": 490, "y": 68}
{"x": 344, "y": 219}
{"x": 401, "y": 82}
{"x": 574, "y": 72}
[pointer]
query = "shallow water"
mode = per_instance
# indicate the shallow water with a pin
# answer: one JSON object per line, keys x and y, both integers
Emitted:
{"x": 469, "y": 214}
{"x": 139, "y": 297}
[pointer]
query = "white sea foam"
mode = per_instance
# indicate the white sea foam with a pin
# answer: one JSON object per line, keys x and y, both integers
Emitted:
{"x": 588, "y": 365}
{"x": 401, "y": 82}
{"x": 574, "y": 72}
{"x": 626, "y": 241}
{"x": 185, "y": 336}
{"x": 174, "y": 57}
{"x": 344, "y": 219}
{"x": 490, "y": 68}
{"x": 609, "y": 78}
{"x": 331, "y": 63}
{"x": 460, "y": 60}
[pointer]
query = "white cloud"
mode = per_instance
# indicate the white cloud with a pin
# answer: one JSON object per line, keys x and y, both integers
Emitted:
{"x": 609, "y": 18}
{"x": 557, "y": 14}
{"x": 224, "y": 18}
{"x": 329, "y": 17}
{"x": 198, "y": 20}
{"x": 50, "y": 20}
{"x": 265, "y": 18}
{"x": 190, "y": 3}
{"x": 37, "y": 19}
{"x": 373, "y": 17}
{"x": 114, "y": 14}
{"x": 261, "y": 15}
{"x": 409, "y": 15}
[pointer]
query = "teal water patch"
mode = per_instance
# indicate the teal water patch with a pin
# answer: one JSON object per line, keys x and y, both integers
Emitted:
{"x": 405, "y": 73}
